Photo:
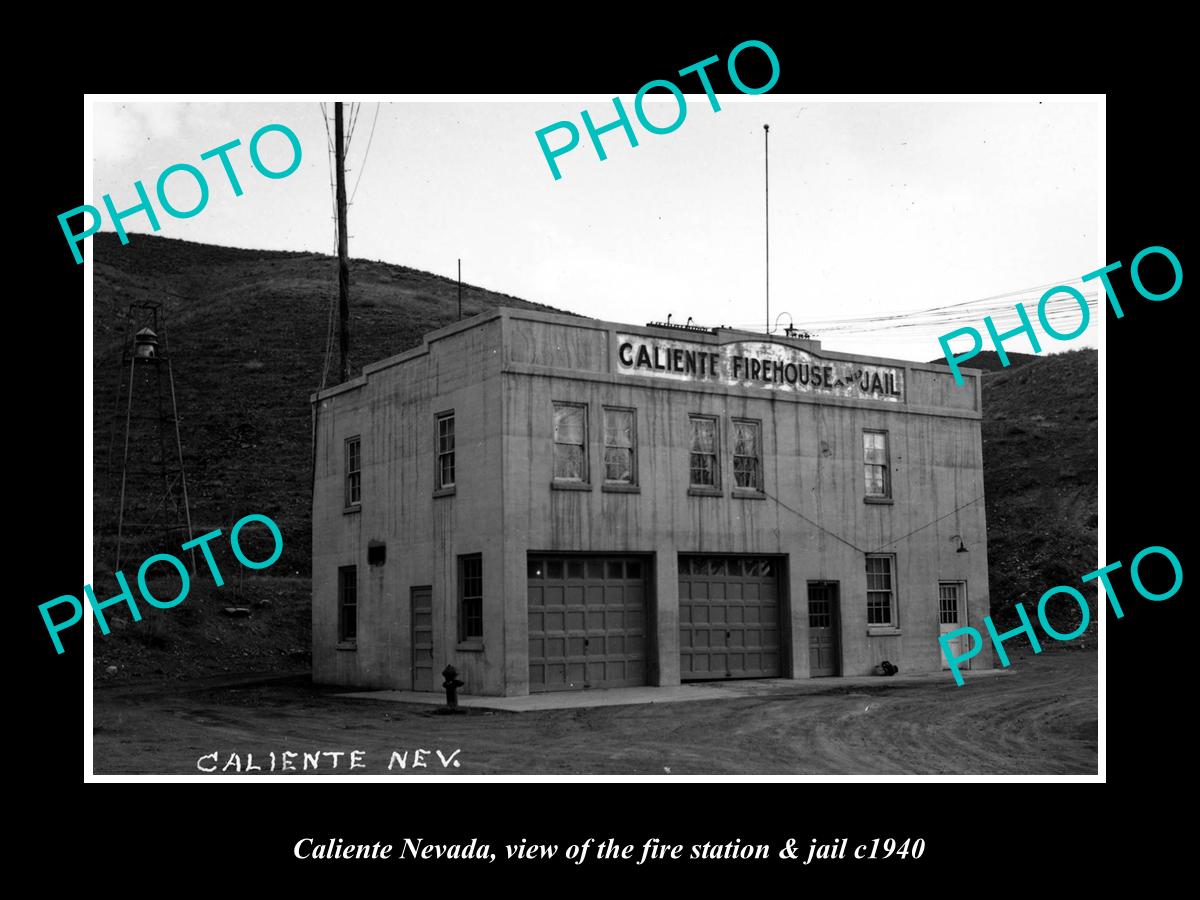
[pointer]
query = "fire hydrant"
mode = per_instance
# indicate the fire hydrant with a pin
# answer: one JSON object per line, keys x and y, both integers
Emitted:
{"x": 451, "y": 684}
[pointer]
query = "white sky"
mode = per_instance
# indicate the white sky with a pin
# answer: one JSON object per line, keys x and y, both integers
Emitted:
{"x": 876, "y": 208}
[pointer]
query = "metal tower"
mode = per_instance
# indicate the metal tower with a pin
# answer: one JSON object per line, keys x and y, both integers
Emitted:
{"x": 153, "y": 484}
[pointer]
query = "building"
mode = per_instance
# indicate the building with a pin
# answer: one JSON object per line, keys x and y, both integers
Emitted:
{"x": 550, "y": 502}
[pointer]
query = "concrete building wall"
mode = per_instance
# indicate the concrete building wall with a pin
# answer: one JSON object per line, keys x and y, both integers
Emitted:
{"x": 814, "y": 510}
{"x": 502, "y": 372}
{"x": 393, "y": 407}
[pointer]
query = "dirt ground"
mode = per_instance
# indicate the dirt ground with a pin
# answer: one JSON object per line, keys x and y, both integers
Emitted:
{"x": 1040, "y": 719}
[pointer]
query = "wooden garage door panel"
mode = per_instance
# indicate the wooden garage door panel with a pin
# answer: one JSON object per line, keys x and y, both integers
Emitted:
{"x": 586, "y": 622}
{"x": 729, "y": 617}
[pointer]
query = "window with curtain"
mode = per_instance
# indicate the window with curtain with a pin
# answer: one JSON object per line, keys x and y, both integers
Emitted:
{"x": 703, "y": 459}
{"x": 619, "y": 446}
{"x": 747, "y": 454}
{"x": 875, "y": 464}
{"x": 570, "y": 442}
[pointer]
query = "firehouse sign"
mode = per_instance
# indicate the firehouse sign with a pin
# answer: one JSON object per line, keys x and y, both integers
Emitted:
{"x": 758, "y": 363}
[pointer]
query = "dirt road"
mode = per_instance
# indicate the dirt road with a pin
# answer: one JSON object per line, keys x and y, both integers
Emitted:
{"x": 1041, "y": 719}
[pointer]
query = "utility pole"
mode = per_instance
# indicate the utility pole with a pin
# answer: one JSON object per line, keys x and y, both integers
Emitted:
{"x": 343, "y": 260}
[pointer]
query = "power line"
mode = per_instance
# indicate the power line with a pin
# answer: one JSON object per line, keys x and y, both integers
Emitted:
{"x": 1028, "y": 292}
{"x": 815, "y": 524}
{"x": 353, "y": 120}
{"x": 362, "y": 165}
{"x": 930, "y": 319}
{"x": 332, "y": 189}
{"x": 929, "y": 524}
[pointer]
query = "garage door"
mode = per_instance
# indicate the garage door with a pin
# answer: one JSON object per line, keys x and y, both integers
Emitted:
{"x": 728, "y": 617}
{"x": 587, "y": 622}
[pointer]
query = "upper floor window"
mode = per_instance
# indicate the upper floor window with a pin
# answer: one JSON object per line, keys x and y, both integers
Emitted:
{"x": 620, "y": 441}
{"x": 445, "y": 450}
{"x": 747, "y": 454}
{"x": 353, "y": 471}
{"x": 570, "y": 442}
{"x": 875, "y": 464}
{"x": 703, "y": 461}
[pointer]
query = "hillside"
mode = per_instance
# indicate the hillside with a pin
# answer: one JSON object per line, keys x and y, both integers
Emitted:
{"x": 1040, "y": 480}
{"x": 247, "y": 332}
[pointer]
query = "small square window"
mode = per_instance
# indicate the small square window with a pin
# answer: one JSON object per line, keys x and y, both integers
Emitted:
{"x": 950, "y": 602}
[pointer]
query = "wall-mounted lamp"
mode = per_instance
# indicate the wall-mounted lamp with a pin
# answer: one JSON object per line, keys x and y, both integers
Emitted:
{"x": 962, "y": 548}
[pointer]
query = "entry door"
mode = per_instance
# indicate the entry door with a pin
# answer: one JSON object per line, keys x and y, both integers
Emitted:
{"x": 824, "y": 647}
{"x": 422, "y": 639}
{"x": 952, "y": 614}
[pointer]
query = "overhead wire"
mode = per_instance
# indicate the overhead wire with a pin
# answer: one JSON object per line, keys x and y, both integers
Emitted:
{"x": 362, "y": 165}
{"x": 351, "y": 121}
{"x": 935, "y": 319}
{"x": 937, "y": 313}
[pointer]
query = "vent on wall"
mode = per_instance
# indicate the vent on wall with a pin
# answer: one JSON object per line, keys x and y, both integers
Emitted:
{"x": 376, "y": 553}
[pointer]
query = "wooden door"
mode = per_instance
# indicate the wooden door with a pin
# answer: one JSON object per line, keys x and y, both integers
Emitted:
{"x": 422, "y": 639}
{"x": 952, "y": 615}
{"x": 824, "y": 648}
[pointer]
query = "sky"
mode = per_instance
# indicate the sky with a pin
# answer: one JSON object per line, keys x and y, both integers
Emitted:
{"x": 876, "y": 208}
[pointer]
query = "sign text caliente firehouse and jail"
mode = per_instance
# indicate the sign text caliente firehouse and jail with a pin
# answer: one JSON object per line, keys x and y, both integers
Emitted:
{"x": 758, "y": 363}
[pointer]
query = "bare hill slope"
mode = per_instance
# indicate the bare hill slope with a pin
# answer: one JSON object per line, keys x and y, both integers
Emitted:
{"x": 1040, "y": 479}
